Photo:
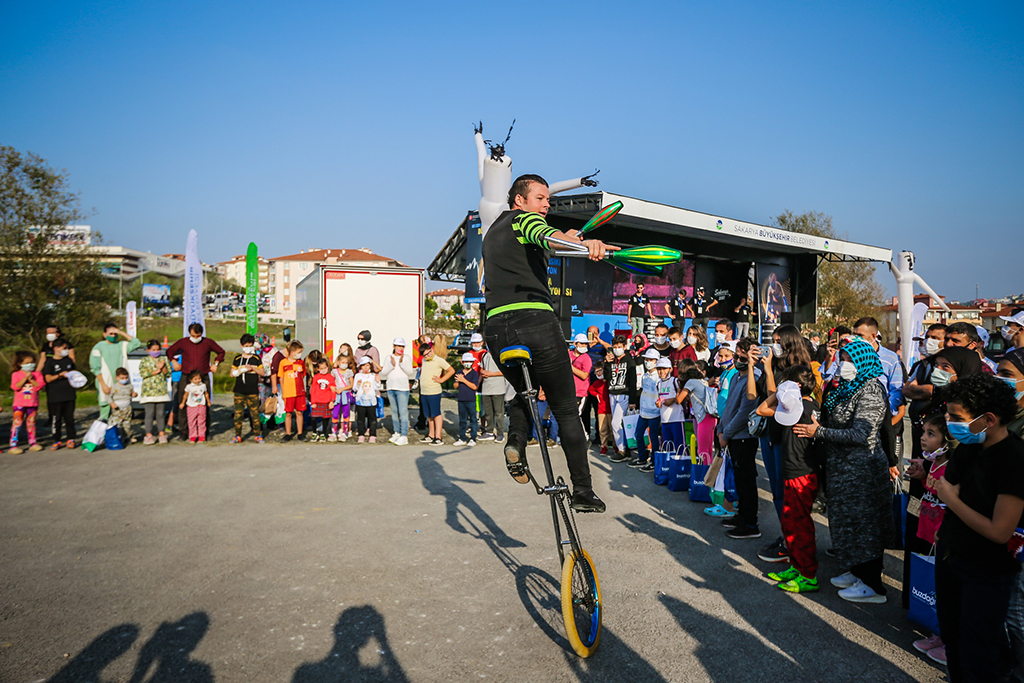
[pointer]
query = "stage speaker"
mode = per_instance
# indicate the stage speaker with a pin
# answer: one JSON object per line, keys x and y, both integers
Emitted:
{"x": 790, "y": 318}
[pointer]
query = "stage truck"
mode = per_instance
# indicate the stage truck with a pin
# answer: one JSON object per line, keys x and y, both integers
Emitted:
{"x": 335, "y": 303}
{"x": 736, "y": 263}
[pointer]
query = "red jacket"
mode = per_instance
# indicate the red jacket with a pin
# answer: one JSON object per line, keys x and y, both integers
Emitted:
{"x": 599, "y": 390}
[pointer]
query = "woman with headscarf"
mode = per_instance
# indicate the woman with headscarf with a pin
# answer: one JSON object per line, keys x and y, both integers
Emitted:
{"x": 638, "y": 344}
{"x": 860, "y": 493}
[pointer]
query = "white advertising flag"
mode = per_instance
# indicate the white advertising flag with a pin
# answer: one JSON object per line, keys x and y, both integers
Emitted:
{"x": 193, "y": 295}
{"x": 131, "y": 321}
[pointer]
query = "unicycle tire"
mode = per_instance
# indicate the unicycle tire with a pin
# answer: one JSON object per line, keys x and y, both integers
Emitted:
{"x": 581, "y": 603}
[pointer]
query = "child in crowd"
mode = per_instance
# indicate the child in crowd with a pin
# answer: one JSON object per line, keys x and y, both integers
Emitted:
{"x": 467, "y": 381}
{"x": 434, "y": 372}
{"x": 292, "y": 373}
{"x": 935, "y": 444}
{"x": 599, "y": 390}
{"x": 794, "y": 403}
{"x": 322, "y": 396}
{"x": 194, "y": 405}
{"x": 26, "y": 382}
{"x": 60, "y": 395}
{"x": 696, "y": 389}
{"x": 620, "y": 375}
{"x": 121, "y": 396}
{"x": 365, "y": 388}
{"x": 720, "y": 506}
{"x": 650, "y": 413}
{"x": 341, "y": 416}
{"x": 671, "y": 410}
{"x": 247, "y": 369}
{"x": 983, "y": 489}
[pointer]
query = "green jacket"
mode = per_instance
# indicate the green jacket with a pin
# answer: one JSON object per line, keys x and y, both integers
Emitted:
{"x": 106, "y": 358}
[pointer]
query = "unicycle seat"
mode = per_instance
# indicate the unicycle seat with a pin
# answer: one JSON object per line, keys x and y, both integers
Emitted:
{"x": 515, "y": 355}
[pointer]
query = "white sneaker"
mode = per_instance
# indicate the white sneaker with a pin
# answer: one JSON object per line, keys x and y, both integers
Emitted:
{"x": 402, "y": 441}
{"x": 844, "y": 580}
{"x": 471, "y": 443}
{"x": 427, "y": 439}
{"x": 342, "y": 436}
{"x": 861, "y": 592}
{"x": 393, "y": 437}
{"x": 460, "y": 442}
{"x": 333, "y": 438}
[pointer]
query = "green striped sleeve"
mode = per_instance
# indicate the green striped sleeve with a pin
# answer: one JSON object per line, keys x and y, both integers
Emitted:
{"x": 531, "y": 228}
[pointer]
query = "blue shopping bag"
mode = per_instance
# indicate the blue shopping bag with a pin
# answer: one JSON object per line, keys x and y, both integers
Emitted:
{"x": 380, "y": 407}
{"x": 679, "y": 471}
{"x": 730, "y": 480}
{"x": 699, "y": 491}
{"x": 922, "y": 592}
{"x": 113, "y": 439}
{"x": 661, "y": 463}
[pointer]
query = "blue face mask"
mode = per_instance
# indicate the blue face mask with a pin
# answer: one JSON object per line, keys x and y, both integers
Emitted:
{"x": 1013, "y": 385}
{"x": 941, "y": 378}
{"x": 961, "y": 431}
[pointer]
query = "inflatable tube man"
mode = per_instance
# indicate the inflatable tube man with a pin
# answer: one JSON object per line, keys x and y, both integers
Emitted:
{"x": 906, "y": 278}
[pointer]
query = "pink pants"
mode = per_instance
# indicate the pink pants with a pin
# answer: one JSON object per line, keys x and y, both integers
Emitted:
{"x": 705, "y": 430}
{"x": 196, "y": 421}
{"x": 24, "y": 415}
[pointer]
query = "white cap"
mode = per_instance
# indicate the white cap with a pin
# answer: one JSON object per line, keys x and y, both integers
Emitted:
{"x": 983, "y": 333}
{"x": 365, "y": 359}
{"x": 730, "y": 344}
{"x": 790, "y": 407}
{"x": 1019, "y": 318}
{"x": 664, "y": 362}
{"x": 467, "y": 357}
{"x": 76, "y": 379}
{"x": 476, "y": 337}
{"x": 652, "y": 353}
{"x": 580, "y": 339}
{"x": 398, "y": 341}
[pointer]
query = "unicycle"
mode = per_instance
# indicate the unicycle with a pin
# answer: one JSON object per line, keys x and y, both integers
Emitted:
{"x": 581, "y": 593}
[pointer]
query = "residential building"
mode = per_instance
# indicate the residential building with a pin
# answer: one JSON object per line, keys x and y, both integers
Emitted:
{"x": 936, "y": 314}
{"x": 285, "y": 272}
{"x": 446, "y": 298}
{"x": 235, "y": 271}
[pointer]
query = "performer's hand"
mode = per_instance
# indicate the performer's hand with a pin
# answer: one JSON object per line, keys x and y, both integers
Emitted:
{"x": 598, "y": 249}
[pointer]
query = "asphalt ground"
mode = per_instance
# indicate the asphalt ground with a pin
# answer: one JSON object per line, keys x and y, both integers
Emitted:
{"x": 340, "y": 562}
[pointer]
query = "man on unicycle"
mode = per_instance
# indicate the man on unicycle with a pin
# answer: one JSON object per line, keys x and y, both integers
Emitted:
{"x": 519, "y": 312}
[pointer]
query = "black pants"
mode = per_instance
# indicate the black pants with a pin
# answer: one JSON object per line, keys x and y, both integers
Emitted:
{"x": 870, "y": 573}
{"x": 62, "y": 413}
{"x": 366, "y": 414}
{"x": 179, "y": 396}
{"x": 550, "y": 369}
{"x": 971, "y": 601}
{"x": 744, "y": 464}
{"x": 589, "y": 406}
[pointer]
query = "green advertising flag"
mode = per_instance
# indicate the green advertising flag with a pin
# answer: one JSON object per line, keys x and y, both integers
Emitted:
{"x": 252, "y": 288}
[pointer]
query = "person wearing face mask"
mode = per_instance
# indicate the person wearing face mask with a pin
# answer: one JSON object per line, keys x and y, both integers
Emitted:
{"x": 983, "y": 490}
{"x": 580, "y": 365}
{"x": 397, "y": 372}
{"x": 195, "y": 350}
{"x": 121, "y": 404}
{"x": 661, "y": 340}
{"x": 620, "y": 376}
{"x": 247, "y": 369}
{"x": 965, "y": 335}
{"x": 679, "y": 350}
{"x": 697, "y": 339}
{"x": 364, "y": 349}
{"x": 60, "y": 395}
{"x": 1011, "y": 371}
{"x": 1013, "y": 330}
{"x": 860, "y": 489}
{"x": 53, "y": 333}
{"x": 154, "y": 370}
{"x": 918, "y": 387}
{"x": 983, "y": 335}
{"x": 650, "y": 413}
{"x": 106, "y": 357}
{"x": 26, "y": 382}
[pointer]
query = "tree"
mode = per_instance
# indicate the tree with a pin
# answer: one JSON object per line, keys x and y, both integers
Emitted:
{"x": 846, "y": 291}
{"x": 429, "y": 306}
{"x": 457, "y": 309}
{"x": 44, "y": 280}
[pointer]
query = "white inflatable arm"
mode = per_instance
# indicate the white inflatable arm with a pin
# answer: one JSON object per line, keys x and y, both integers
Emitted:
{"x": 481, "y": 154}
{"x": 564, "y": 185}
{"x": 931, "y": 292}
{"x": 895, "y": 271}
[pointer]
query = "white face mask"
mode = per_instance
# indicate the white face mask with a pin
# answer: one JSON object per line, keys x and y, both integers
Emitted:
{"x": 51, "y": 337}
{"x": 195, "y": 340}
{"x": 1006, "y": 332}
{"x": 691, "y": 340}
{"x": 618, "y": 351}
{"x": 64, "y": 352}
{"x": 343, "y": 366}
{"x": 581, "y": 349}
{"x": 247, "y": 350}
{"x": 650, "y": 364}
{"x": 930, "y": 347}
{"x": 719, "y": 338}
{"x": 660, "y": 339}
{"x": 675, "y": 343}
{"x": 477, "y": 347}
{"x": 847, "y": 370}
{"x": 777, "y": 350}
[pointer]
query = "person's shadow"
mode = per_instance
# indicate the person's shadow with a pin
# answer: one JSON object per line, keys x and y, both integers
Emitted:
{"x": 88, "y": 664}
{"x": 360, "y": 654}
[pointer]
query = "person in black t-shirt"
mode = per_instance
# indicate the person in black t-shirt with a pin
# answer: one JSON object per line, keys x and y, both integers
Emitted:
{"x": 247, "y": 369}
{"x": 675, "y": 308}
{"x": 983, "y": 489}
{"x": 639, "y": 309}
{"x": 53, "y": 333}
{"x": 792, "y": 404}
{"x": 700, "y": 307}
{"x": 60, "y": 395}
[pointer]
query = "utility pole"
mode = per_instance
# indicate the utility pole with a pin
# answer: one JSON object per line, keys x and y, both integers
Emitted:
{"x": 975, "y": 292}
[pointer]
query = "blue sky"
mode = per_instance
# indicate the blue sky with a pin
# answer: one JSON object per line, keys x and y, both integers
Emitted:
{"x": 336, "y": 125}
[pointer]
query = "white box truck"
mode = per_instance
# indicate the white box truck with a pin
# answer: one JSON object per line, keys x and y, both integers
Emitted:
{"x": 335, "y": 303}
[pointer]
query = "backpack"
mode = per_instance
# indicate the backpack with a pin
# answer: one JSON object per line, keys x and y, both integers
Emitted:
{"x": 710, "y": 397}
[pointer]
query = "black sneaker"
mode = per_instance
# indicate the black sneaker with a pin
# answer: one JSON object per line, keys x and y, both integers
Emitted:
{"x": 731, "y": 522}
{"x": 620, "y": 456}
{"x": 515, "y": 460}
{"x": 647, "y": 467}
{"x": 300, "y": 437}
{"x": 744, "y": 531}
{"x": 636, "y": 463}
{"x": 587, "y": 501}
{"x": 286, "y": 438}
{"x": 775, "y": 551}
